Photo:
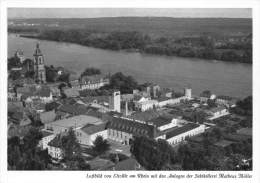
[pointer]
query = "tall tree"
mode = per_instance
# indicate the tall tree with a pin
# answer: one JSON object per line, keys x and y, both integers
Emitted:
{"x": 152, "y": 154}
{"x": 100, "y": 145}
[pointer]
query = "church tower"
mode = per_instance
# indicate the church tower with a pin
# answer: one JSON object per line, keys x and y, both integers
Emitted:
{"x": 39, "y": 68}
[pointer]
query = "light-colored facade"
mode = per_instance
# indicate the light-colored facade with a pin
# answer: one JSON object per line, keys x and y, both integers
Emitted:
{"x": 120, "y": 136}
{"x": 172, "y": 124}
{"x": 93, "y": 82}
{"x": 146, "y": 105}
{"x": 188, "y": 93}
{"x": 45, "y": 140}
{"x": 88, "y": 138}
{"x": 172, "y": 101}
{"x": 55, "y": 152}
{"x": 115, "y": 101}
{"x": 218, "y": 112}
{"x": 189, "y": 133}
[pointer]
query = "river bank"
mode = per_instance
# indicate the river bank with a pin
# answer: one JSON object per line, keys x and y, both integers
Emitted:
{"x": 198, "y": 47}
{"x": 222, "y": 78}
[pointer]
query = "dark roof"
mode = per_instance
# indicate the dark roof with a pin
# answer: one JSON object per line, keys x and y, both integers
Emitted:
{"x": 17, "y": 115}
{"x": 100, "y": 164}
{"x": 146, "y": 115}
{"x": 224, "y": 97}
{"x": 42, "y": 91}
{"x": 73, "y": 109}
{"x": 132, "y": 127}
{"x": 56, "y": 142}
{"x": 163, "y": 98}
{"x": 45, "y": 133}
{"x": 181, "y": 130}
{"x": 216, "y": 109}
{"x": 92, "y": 129}
{"x": 128, "y": 164}
{"x": 161, "y": 121}
{"x": 203, "y": 94}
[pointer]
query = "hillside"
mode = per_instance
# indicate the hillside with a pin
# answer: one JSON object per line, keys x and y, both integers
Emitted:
{"x": 159, "y": 26}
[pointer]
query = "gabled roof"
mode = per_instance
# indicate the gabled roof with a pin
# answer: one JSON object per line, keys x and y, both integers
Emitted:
{"x": 46, "y": 133}
{"x": 180, "y": 130}
{"x": 146, "y": 115}
{"x": 92, "y": 129}
{"x": 73, "y": 109}
{"x": 161, "y": 121}
{"x": 76, "y": 121}
{"x": 132, "y": 127}
{"x": 224, "y": 97}
{"x": 56, "y": 142}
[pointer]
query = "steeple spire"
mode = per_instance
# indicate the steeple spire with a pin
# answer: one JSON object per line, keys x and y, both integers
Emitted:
{"x": 37, "y": 50}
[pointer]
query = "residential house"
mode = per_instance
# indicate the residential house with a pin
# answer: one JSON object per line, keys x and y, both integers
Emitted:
{"x": 93, "y": 82}
{"x": 217, "y": 112}
{"x": 87, "y": 134}
{"x": 46, "y": 138}
{"x": 55, "y": 147}
{"x": 35, "y": 92}
{"x": 226, "y": 100}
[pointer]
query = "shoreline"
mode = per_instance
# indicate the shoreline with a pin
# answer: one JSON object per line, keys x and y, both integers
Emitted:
{"x": 31, "y": 36}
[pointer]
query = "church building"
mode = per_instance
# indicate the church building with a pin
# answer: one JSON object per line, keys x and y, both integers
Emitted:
{"x": 39, "y": 68}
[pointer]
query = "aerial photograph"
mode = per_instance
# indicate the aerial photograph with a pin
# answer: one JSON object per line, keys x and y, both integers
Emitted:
{"x": 131, "y": 89}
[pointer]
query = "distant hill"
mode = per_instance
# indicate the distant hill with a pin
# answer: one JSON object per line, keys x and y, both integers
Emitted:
{"x": 157, "y": 26}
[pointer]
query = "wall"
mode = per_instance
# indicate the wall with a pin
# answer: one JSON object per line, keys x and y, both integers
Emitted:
{"x": 181, "y": 137}
{"x": 119, "y": 136}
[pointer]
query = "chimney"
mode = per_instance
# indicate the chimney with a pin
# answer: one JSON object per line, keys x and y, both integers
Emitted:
{"x": 126, "y": 108}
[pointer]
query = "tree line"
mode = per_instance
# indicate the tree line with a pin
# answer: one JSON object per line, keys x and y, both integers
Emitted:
{"x": 159, "y": 155}
{"x": 201, "y": 47}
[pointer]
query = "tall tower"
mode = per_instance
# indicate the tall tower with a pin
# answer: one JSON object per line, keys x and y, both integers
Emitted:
{"x": 187, "y": 93}
{"x": 39, "y": 68}
{"x": 115, "y": 101}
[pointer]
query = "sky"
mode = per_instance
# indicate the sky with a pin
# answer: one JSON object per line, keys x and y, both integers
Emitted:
{"x": 117, "y": 12}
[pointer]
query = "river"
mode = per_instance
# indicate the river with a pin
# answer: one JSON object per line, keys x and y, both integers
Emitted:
{"x": 222, "y": 78}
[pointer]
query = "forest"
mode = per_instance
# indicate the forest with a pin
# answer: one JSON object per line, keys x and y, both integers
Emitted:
{"x": 215, "y": 39}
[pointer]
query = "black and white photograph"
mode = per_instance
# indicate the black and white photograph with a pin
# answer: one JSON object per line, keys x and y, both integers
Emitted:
{"x": 129, "y": 89}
